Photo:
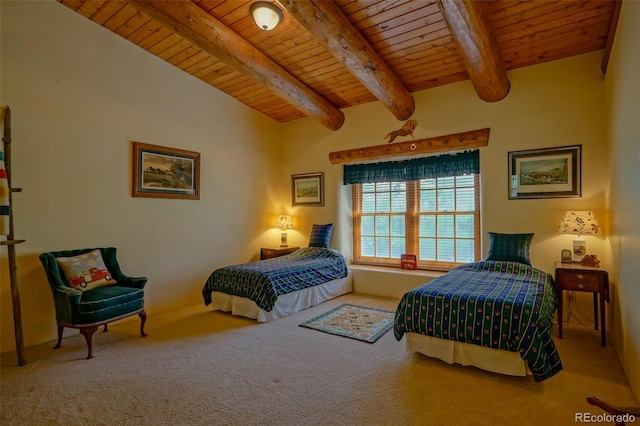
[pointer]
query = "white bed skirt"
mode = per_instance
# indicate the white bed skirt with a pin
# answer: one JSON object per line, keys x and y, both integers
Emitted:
{"x": 286, "y": 304}
{"x": 449, "y": 351}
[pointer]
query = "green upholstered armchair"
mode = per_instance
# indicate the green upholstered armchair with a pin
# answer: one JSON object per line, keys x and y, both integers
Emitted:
{"x": 87, "y": 310}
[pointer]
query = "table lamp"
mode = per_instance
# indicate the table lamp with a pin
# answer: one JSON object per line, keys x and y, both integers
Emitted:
{"x": 579, "y": 223}
{"x": 284, "y": 223}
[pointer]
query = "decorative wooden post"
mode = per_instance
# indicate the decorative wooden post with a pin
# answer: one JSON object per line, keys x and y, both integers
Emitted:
{"x": 11, "y": 242}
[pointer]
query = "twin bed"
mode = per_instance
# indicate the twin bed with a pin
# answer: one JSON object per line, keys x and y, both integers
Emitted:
{"x": 270, "y": 289}
{"x": 496, "y": 314}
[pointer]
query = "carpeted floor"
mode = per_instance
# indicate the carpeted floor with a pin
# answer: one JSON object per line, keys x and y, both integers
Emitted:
{"x": 200, "y": 367}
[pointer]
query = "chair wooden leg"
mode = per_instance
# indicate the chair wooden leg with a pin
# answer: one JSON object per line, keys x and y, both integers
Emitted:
{"x": 105, "y": 329}
{"x": 87, "y": 332}
{"x": 60, "y": 329}
{"x": 622, "y": 412}
{"x": 143, "y": 319}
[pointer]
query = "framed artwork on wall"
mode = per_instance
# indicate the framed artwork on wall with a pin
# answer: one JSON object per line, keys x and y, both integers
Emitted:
{"x": 163, "y": 172}
{"x": 545, "y": 173}
{"x": 307, "y": 189}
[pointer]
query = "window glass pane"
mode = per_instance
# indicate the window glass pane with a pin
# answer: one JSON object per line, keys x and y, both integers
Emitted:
{"x": 368, "y": 203}
{"x": 366, "y": 227}
{"x": 383, "y": 202}
{"x": 428, "y": 184}
{"x": 397, "y": 247}
{"x": 446, "y": 182}
{"x": 446, "y": 200}
{"x": 383, "y": 186}
{"x": 398, "y": 202}
{"x": 445, "y": 226}
{"x": 466, "y": 180}
{"x": 398, "y": 186}
{"x": 464, "y": 226}
{"x": 382, "y": 247}
{"x": 427, "y": 249}
{"x": 465, "y": 200}
{"x": 464, "y": 251}
{"x": 397, "y": 226}
{"x": 446, "y": 251}
{"x": 382, "y": 225}
{"x": 427, "y": 226}
{"x": 368, "y": 246}
{"x": 428, "y": 201}
{"x": 368, "y": 187}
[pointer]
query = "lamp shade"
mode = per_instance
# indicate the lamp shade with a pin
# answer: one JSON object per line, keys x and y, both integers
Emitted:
{"x": 580, "y": 223}
{"x": 284, "y": 222}
{"x": 266, "y": 15}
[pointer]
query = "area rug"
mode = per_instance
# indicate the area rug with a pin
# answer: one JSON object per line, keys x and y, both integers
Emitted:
{"x": 355, "y": 322}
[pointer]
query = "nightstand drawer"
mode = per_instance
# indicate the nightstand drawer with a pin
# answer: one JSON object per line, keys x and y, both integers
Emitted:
{"x": 580, "y": 280}
{"x": 270, "y": 253}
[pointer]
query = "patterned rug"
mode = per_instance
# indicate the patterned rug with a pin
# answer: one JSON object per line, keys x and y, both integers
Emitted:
{"x": 355, "y": 322}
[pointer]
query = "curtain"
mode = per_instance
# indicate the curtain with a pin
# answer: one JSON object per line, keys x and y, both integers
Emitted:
{"x": 467, "y": 162}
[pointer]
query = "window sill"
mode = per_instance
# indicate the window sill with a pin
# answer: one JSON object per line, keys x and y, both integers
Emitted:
{"x": 396, "y": 270}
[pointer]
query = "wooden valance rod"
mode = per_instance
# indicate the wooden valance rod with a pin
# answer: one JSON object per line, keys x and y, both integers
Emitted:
{"x": 453, "y": 142}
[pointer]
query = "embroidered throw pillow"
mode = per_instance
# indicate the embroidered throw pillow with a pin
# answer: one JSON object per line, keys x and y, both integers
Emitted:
{"x": 86, "y": 271}
{"x": 510, "y": 247}
{"x": 320, "y": 235}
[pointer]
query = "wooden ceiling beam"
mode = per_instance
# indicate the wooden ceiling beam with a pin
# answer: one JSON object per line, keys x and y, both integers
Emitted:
{"x": 203, "y": 30}
{"x": 470, "y": 27}
{"x": 324, "y": 20}
{"x": 610, "y": 37}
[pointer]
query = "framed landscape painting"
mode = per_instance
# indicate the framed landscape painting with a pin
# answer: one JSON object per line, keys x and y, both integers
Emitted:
{"x": 163, "y": 172}
{"x": 307, "y": 189}
{"x": 545, "y": 173}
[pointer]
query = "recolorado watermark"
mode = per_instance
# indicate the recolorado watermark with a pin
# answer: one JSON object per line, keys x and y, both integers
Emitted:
{"x": 604, "y": 418}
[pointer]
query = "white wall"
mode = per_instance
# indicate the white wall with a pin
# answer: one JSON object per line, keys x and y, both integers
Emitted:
{"x": 622, "y": 88}
{"x": 553, "y": 104}
{"x": 78, "y": 95}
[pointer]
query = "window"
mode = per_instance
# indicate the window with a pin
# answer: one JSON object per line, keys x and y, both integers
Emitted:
{"x": 435, "y": 218}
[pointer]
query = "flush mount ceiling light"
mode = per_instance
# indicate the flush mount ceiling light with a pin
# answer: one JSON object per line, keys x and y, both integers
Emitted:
{"x": 267, "y": 15}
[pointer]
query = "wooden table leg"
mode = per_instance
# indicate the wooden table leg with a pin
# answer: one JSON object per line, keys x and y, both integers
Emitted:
{"x": 560, "y": 315}
{"x": 602, "y": 318}
{"x": 595, "y": 309}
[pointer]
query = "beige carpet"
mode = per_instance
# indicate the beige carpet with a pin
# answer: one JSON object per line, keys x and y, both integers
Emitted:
{"x": 200, "y": 367}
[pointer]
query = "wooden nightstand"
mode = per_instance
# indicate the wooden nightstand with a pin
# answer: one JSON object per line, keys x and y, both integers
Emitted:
{"x": 271, "y": 252}
{"x": 576, "y": 277}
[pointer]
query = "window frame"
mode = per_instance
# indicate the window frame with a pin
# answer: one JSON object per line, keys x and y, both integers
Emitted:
{"x": 412, "y": 219}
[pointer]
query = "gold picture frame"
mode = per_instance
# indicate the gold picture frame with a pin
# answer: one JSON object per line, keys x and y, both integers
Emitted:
{"x": 163, "y": 172}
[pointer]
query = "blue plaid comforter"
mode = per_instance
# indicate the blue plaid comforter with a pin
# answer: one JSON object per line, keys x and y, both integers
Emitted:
{"x": 265, "y": 280}
{"x": 501, "y": 305}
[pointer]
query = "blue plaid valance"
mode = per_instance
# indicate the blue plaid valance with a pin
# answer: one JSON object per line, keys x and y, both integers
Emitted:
{"x": 462, "y": 163}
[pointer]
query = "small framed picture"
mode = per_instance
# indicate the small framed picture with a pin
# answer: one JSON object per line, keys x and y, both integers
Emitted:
{"x": 545, "y": 173}
{"x": 307, "y": 190}
{"x": 163, "y": 172}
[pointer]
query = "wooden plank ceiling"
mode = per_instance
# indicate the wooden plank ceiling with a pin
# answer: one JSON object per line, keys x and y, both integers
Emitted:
{"x": 325, "y": 56}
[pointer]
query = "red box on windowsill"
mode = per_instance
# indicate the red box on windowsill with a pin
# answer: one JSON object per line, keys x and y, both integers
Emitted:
{"x": 408, "y": 261}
